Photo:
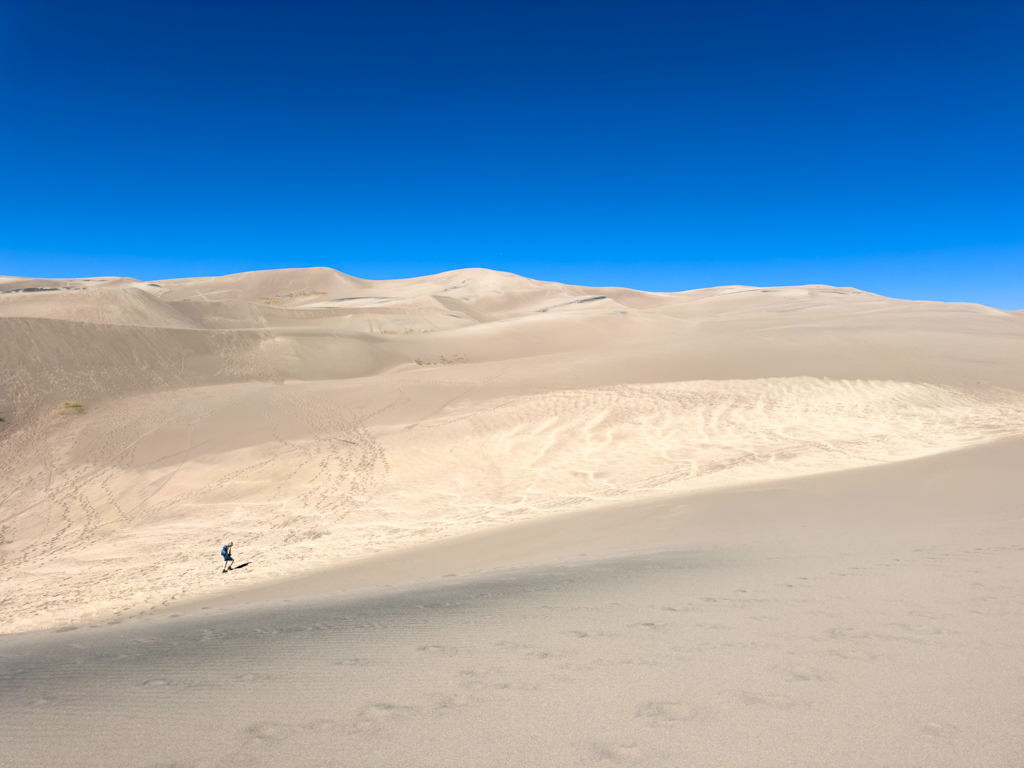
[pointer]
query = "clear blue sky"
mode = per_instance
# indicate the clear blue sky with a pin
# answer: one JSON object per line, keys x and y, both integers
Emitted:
{"x": 658, "y": 145}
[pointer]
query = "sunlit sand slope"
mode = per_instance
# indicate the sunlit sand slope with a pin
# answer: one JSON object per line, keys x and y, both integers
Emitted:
{"x": 313, "y": 417}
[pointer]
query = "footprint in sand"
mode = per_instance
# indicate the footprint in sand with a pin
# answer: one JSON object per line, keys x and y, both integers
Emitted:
{"x": 770, "y": 700}
{"x": 805, "y": 674}
{"x": 269, "y": 732}
{"x": 663, "y": 712}
{"x": 649, "y": 626}
{"x": 854, "y": 654}
{"x": 621, "y": 754}
{"x": 251, "y": 677}
{"x": 373, "y": 717}
{"x": 540, "y": 655}
{"x": 940, "y": 730}
{"x": 438, "y": 649}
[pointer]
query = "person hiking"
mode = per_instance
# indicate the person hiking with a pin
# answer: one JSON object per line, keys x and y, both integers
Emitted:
{"x": 226, "y": 553}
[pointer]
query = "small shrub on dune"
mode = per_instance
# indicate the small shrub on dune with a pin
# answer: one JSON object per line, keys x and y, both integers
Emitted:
{"x": 68, "y": 405}
{"x": 444, "y": 361}
{"x": 407, "y": 330}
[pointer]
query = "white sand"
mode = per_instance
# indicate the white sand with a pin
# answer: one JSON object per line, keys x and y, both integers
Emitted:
{"x": 722, "y": 446}
{"x": 268, "y": 409}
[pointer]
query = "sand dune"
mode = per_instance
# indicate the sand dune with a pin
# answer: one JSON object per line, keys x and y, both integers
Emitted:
{"x": 314, "y": 417}
{"x": 868, "y": 617}
{"x": 490, "y": 520}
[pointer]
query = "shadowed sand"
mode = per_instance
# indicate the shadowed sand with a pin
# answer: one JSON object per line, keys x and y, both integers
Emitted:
{"x": 867, "y": 617}
{"x": 496, "y": 521}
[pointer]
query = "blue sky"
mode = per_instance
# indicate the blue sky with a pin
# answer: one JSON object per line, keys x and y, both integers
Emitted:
{"x": 657, "y": 145}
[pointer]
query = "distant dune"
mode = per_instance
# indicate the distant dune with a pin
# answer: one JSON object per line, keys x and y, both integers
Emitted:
{"x": 315, "y": 418}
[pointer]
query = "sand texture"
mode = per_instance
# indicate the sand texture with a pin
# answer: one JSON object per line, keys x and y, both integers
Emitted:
{"x": 489, "y": 520}
{"x": 869, "y": 617}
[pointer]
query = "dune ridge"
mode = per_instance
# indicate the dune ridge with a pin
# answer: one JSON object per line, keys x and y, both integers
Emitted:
{"x": 314, "y": 417}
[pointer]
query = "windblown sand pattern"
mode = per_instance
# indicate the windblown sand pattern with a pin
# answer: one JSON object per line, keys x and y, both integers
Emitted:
{"x": 315, "y": 418}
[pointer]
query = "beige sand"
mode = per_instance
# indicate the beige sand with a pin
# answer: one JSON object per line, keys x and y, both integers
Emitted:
{"x": 745, "y": 526}
{"x": 311, "y": 418}
{"x": 867, "y": 618}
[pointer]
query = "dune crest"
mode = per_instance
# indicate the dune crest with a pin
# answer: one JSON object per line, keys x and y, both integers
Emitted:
{"x": 313, "y": 417}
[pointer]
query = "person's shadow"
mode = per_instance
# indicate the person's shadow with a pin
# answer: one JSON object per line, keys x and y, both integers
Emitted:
{"x": 241, "y": 566}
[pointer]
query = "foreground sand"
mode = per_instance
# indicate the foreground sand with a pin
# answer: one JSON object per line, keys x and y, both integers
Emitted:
{"x": 868, "y": 617}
